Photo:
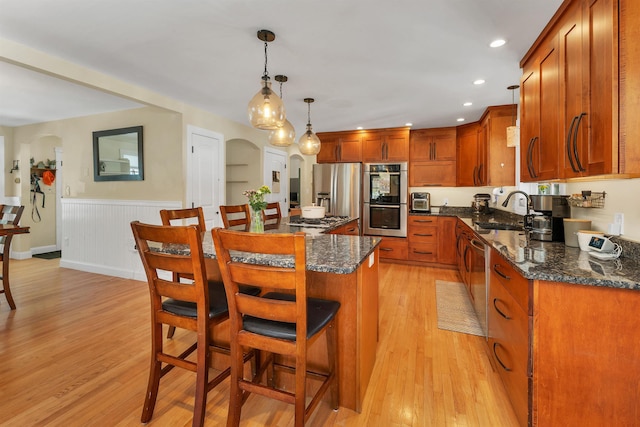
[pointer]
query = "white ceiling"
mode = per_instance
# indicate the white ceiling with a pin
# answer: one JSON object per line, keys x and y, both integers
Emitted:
{"x": 370, "y": 63}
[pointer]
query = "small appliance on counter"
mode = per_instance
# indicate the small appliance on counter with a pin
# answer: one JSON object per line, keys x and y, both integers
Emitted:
{"x": 421, "y": 202}
{"x": 549, "y": 226}
{"x": 480, "y": 203}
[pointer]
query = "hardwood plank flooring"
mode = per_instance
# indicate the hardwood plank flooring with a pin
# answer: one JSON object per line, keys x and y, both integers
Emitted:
{"x": 75, "y": 353}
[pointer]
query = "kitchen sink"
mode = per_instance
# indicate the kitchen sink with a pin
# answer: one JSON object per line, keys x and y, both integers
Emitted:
{"x": 499, "y": 226}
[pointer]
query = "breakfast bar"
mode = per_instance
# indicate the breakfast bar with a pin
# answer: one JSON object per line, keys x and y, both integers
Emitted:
{"x": 341, "y": 268}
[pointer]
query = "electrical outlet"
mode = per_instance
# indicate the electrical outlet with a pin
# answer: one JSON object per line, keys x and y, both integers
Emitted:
{"x": 618, "y": 218}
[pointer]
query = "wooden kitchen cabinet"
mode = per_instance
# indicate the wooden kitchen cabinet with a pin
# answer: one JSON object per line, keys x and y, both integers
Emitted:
{"x": 446, "y": 240}
{"x": 508, "y": 332}
{"x": 340, "y": 147}
{"x": 351, "y": 228}
{"x": 467, "y": 137}
{"x": 539, "y": 112}
{"x": 574, "y": 118}
{"x": 432, "y": 160}
{"x": 422, "y": 233}
{"x": 483, "y": 156}
{"x": 385, "y": 145}
{"x": 394, "y": 248}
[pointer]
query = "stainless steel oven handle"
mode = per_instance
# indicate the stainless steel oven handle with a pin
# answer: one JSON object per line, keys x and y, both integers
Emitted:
{"x": 389, "y": 173}
{"x": 385, "y": 206}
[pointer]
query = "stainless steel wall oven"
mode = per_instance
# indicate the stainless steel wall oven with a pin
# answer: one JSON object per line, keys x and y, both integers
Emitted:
{"x": 385, "y": 199}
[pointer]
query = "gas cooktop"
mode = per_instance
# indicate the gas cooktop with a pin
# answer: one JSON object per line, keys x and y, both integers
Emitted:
{"x": 326, "y": 222}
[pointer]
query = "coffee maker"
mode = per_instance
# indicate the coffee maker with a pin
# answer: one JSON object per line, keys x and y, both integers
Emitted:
{"x": 548, "y": 224}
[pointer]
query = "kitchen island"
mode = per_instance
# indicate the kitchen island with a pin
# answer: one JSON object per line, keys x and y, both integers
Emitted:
{"x": 341, "y": 268}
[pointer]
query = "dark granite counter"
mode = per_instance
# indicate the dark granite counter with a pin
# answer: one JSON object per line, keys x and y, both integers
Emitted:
{"x": 552, "y": 261}
{"x": 326, "y": 253}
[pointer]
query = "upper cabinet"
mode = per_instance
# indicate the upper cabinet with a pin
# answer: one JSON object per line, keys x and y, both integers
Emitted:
{"x": 340, "y": 147}
{"x": 385, "y": 145}
{"x": 433, "y": 157}
{"x": 569, "y": 93}
{"x": 497, "y": 162}
{"x": 483, "y": 156}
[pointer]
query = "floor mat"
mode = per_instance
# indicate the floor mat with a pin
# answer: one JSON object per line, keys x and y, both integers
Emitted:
{"x": 49, "y": 255}
{"x": 455, "y": 310}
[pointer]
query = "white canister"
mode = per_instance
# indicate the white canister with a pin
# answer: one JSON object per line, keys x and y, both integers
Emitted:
{"x": 571, "y": 228}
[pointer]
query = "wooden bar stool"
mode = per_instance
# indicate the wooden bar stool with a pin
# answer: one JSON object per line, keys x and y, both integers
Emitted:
{"x": 274, "y": 211}
{"x": 195, "y": 306}
{"x": 284, "y": 322}
{"x": 240, "y": 214}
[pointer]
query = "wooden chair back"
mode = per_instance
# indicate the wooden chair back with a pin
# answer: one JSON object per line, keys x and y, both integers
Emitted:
{"x": 274, "y": 211}
{"x": 233, "y": 215}
{"x": 288, "y": 279}
{"x": 172, "y": 216}
{"x": 191, "y": 264}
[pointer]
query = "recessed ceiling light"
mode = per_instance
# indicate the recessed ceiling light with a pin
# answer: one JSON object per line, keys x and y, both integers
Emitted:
{"x": 359, "y": 128}
{"x": 460, "y": 119}
{"x": 497, "y": 43}
{"x": 478, "y": 82}
{"x": 467, "y": 104}
{"x": 408, "y": 124}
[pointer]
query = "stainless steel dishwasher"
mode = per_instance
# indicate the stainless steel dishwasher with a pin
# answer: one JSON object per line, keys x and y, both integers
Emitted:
{"x": 479, "y": 281}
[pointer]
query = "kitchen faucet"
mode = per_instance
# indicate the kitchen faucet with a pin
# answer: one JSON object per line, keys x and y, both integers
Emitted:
{"x": 529, "y": 204}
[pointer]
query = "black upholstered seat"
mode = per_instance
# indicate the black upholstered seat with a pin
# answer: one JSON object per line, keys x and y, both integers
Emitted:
{"x": 319, "y": 313}
{"x": 217, "y": 301}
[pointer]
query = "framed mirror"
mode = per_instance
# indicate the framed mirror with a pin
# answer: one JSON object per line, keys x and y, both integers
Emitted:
{"x": 117, "y": 155}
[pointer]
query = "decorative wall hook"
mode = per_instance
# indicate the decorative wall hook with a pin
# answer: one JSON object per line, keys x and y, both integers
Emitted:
{"x": 16, "y": 166}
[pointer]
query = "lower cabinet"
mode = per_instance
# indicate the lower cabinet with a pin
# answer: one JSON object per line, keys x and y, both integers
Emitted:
{"x": 431, "y": 239}
{"x": 567, "y": 353}
{"x": 508, "y": 323}
{"x": 394, "y": 248}
{"x": 351, "y": 228}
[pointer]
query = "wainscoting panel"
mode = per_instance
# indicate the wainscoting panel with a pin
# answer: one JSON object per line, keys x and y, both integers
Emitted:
{"x": 96, "y": 234}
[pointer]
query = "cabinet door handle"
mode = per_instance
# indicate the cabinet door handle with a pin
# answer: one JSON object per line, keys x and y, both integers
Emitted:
{"x": 575, "y": 143}
{"x": 500, "y": 312}
{"x": 480, "y": 174}
{"x": 477, "y": 244}
{"x": 386, "y": 249}
{"x": 423, "y": 220}
{"x": 422, "y": 234}
{"x": 460, "y": 236}
{"x": 464, "y": 259}
{"x": 422, "y": 253}
{"x": 568, "y": 144}
{"x": 532, "y": 171}
{"x": 495, "y": 344}
{"x": 339, "y": 147}
{"x": 351, "y": 230}
{"x": 435, "y": 151}
{"x": 475, "y": 171}
{"x": 500, "y": 273}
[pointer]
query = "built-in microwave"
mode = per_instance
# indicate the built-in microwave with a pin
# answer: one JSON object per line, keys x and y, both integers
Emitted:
{"x": 385, "y": 199}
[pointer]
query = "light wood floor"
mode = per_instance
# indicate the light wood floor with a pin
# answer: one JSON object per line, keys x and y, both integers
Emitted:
{"x": 75, "y": 353}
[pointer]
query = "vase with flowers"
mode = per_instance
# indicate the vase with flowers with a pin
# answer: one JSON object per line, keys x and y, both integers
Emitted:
{"x": 257, "y": 204}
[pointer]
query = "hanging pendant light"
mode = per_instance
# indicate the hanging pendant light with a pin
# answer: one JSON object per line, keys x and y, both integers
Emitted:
{"x": 285, "y": 135}
{"x": 309, "y": 142}
{"x": 266, "y": 109}
{"x": 513, "y": 131}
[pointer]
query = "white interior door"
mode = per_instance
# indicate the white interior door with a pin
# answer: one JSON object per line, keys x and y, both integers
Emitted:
{"x": 275, "y": 176}
{"x": 206, "y": 173}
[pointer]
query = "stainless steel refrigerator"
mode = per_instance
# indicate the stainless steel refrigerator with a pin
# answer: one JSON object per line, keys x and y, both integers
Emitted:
{"x": 338, "y": 187}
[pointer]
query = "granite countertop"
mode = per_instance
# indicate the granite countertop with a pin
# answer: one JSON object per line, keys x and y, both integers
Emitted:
{"x": 553, "y": 261}
{"x": 326, "y": 253}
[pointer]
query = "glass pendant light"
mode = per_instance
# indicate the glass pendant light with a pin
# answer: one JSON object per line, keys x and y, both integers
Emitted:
{"x": 266, "y": 109}
{"x": 309, "y": 142}
{"x": 285, "y": 135}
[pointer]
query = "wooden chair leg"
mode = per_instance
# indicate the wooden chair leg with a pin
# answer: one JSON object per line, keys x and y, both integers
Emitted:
{"x": 171, "y": 331}
{"x": 235, "y": 393}
{"x": 152, "y": 391}
{"x": 5, "y": 283}
{"x": 300, "y": 393}
{"x": 332, "y": 354}
{"x": 202, "y": 381}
